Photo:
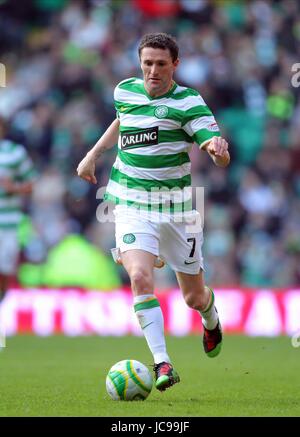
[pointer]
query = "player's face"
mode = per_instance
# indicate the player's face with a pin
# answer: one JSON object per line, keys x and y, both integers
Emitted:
{"x": 158, "y": 69}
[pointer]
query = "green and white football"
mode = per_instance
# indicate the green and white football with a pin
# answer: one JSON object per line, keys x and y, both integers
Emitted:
{"x": 129, "y": 380}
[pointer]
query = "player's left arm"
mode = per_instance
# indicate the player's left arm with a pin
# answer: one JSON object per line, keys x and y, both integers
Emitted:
{"x": 200, "y": 124}
{"x": 25, "y": 176}
{"x": 217, "y": 148}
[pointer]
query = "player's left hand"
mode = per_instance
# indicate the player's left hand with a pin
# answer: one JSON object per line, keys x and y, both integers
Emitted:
{"x": 86, "y": 169}
{"x": 218, "y": 146}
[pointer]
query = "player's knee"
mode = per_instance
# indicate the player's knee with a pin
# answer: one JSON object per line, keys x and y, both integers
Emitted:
{"x": 141, "y": 280}
{"x": 195, "y": 301}
{"x": 190, "y": 300}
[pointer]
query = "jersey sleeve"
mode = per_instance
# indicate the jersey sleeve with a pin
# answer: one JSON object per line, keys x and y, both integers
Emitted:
{"x": 116, "y": 102}
{"x": 119, "y": 95}
{"x": 200, "y": 124}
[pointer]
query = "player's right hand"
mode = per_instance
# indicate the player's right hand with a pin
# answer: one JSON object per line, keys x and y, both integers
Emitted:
{"x": 86, "y": 169}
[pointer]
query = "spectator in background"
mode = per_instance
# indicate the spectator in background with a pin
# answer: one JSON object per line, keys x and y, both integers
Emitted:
{"x": 16, "y": 180}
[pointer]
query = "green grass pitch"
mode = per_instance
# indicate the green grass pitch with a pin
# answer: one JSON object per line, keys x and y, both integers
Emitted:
{"x": 60, "y": 376}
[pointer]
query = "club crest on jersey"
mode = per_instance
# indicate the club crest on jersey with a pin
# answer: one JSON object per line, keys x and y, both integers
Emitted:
{"x": 140, "y": 138}
{"x": 161, "y": 111}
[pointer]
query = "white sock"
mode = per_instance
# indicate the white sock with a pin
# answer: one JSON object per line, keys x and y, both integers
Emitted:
{"x": 151, "y": 320}
{"x": 209, "y": 314}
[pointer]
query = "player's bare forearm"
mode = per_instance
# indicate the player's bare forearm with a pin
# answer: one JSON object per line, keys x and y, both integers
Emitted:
{"x": 217, "y": 148}
{"x": 86, "y": 168}
{"x": 107, "y": 140}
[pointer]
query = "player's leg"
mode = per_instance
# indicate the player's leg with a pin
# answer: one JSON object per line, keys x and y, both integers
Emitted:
{"x": 201, "y": 298}
{"x": 137, "y": 244}
{"x": 4, "y": 280}
{"x": 139, "y": 265}
{"x": 182, "y": 251}
{"x": 9, "y": 253}
{"x": 3, "y": 286}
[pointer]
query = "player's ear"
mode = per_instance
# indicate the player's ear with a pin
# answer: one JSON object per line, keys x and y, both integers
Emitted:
{"x": 175, "y": 63}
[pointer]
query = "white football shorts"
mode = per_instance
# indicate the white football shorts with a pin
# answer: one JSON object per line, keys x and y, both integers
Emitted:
{"x": 9, "y": 251}
{"x": 169, "y": 241}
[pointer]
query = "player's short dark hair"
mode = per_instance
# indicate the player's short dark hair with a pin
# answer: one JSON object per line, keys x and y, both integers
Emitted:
{"x": 160, "y": 41}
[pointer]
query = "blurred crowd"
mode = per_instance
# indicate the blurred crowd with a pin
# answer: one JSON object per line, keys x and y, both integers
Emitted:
{"x": 64, "y": 58}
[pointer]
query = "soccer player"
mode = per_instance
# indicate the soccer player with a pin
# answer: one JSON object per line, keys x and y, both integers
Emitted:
{"x": 16, "y": 180}
{"x": 157, "y": 123}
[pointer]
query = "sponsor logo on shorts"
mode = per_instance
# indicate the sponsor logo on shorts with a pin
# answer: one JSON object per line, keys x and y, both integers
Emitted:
{"x": 129, "y": 238}
{"x": 189, "y": 262}
{"x": 145, "y": 137}
{"x": 161, "y": 111}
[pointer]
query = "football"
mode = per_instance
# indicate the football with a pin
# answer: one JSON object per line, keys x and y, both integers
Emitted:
{"x": 129, "y": 380}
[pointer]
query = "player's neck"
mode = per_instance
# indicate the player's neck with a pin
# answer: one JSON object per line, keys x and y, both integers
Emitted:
{"x": 160, "y": 93}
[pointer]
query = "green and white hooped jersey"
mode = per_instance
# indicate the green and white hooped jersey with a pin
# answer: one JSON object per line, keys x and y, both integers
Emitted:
{"x": 16, "y": 165}
{"x": 152, "y": 170}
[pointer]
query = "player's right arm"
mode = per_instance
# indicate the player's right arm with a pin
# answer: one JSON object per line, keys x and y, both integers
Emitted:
{"x": 86, "y": 168}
